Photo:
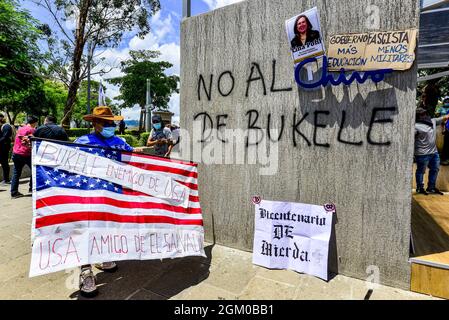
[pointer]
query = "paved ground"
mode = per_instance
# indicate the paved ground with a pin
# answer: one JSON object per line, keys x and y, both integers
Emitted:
{"x": 225, "y": 274}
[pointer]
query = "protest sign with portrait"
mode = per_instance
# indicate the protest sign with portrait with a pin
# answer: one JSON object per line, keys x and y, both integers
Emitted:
{"x": 305, "y": 36}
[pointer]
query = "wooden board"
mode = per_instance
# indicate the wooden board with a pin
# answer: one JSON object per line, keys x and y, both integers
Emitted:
{"x": 430, "y": 224}
{"x": 438, "y": 260}
{"x": 430, "y": 281}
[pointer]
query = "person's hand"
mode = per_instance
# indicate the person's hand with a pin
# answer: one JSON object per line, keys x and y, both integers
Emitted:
{"x": 167, "y": 155}
{"x": 138, "y": 150}
{"x": 26, "y": 141}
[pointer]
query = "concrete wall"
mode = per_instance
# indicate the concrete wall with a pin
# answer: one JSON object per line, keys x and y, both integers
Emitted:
{"x": 370, "y": 184}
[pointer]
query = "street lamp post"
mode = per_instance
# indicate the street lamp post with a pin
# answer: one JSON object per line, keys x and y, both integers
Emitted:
{"x": 186, "y": 8}
{"x": 148, "y": 107}
{"x": 89, "y": 58}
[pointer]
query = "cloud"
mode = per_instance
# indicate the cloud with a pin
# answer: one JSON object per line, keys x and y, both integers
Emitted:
{"x": 163, "y": 29}
{"x": 174, "y": 104}
{"x": 214, "y": 4}
{"x": 131, "y": 113}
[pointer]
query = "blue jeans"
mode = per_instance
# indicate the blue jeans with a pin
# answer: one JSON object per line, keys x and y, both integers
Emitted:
{"x": 422, "y": 162}
{"x": 19, "y": 163}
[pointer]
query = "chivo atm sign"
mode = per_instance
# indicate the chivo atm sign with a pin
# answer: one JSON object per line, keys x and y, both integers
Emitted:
{"x": 328, "y": 79}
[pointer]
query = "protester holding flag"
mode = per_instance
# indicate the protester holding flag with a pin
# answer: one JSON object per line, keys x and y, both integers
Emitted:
{"x": 160, "y": 138}
{"x": 104, "y": 135}
{"x": 97, "y": 202}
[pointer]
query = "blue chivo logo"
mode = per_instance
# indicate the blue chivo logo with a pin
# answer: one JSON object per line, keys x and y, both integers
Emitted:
{"x": 375, "y": 75}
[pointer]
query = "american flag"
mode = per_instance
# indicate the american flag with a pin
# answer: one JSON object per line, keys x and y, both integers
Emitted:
{"x": 101, "y": 96}
{"x": 64, "y": 200}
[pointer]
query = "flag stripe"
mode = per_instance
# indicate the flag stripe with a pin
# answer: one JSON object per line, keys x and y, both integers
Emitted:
{"x": 57, "y": 200}
{"x": 174, "y": 175}
{"x": 104, "y": 216}
{"x": 191, "y": 186}
{"x": 144, "y": 158}
{"x": 67, "y": 228}
{"x": 138, "y": 193}
{"x": 67, "y": 208}
{"x": 134, "y": 197}
{"x": 154, "y": 167}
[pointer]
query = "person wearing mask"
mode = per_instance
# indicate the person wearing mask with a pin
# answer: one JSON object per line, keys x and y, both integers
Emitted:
{"x": 160, "y": 138}
{"x": 21, "y": 155}
{"x": 104, "y": 136}
{"x": 426, "y": 153}
{"x": 50, "y": 130}
{"x": 6, "y": 135}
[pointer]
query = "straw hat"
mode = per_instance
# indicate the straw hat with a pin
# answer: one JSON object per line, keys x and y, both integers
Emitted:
{"x": 104, "y": 113}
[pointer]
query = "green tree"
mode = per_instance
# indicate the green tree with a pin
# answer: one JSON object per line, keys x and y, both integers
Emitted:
{"x": 442, "y": 83}
{"x": 19, "y": 53}
{"x": 99, "y": 23}
{"x": 56, "y": 95}
{"x": 137, "y": 70}
{"x": 43, "y": 97}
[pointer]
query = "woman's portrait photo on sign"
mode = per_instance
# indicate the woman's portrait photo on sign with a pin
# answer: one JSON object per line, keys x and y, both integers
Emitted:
{"x": 304, "y": 34}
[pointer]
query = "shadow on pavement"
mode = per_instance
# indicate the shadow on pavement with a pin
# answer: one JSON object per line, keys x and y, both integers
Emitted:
{"x": 151, "y": 279}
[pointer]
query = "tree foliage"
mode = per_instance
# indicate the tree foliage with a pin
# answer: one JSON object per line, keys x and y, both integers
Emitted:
{"x": 137, "y": 70}
{"x": 99, "y": 23}
{"x": 19, "y": 52}
{"x": 441, "y": 83}
{"x": 43, "y": 97}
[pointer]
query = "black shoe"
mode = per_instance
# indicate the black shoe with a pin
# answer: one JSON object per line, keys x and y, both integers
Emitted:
{"x": 16, "y": 195}
{"x": 421, "y": 191}
{"x": 435, "y": 191}
{"x": 445, "y": 163}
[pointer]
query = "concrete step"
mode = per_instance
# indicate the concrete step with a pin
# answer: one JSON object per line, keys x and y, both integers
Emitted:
{"x": 430, "y": 275}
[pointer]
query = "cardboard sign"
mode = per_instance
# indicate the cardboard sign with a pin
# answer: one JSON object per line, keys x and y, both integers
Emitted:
{"x": 371, "y": 51}
{"x": 293, "y": 236}
{"x": 304, "y": 35}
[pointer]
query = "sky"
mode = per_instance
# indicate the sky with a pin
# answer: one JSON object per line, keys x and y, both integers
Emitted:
{"x": 164, "y": 37}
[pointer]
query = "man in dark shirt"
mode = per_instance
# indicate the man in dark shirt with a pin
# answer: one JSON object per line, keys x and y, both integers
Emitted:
{"x": 51, "y": 131}
{"x": 6, "y": 132}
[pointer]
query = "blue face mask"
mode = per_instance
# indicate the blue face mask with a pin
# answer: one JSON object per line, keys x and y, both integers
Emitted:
{"x": 108, "y": 132}
{"x": 157, "y": 126}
